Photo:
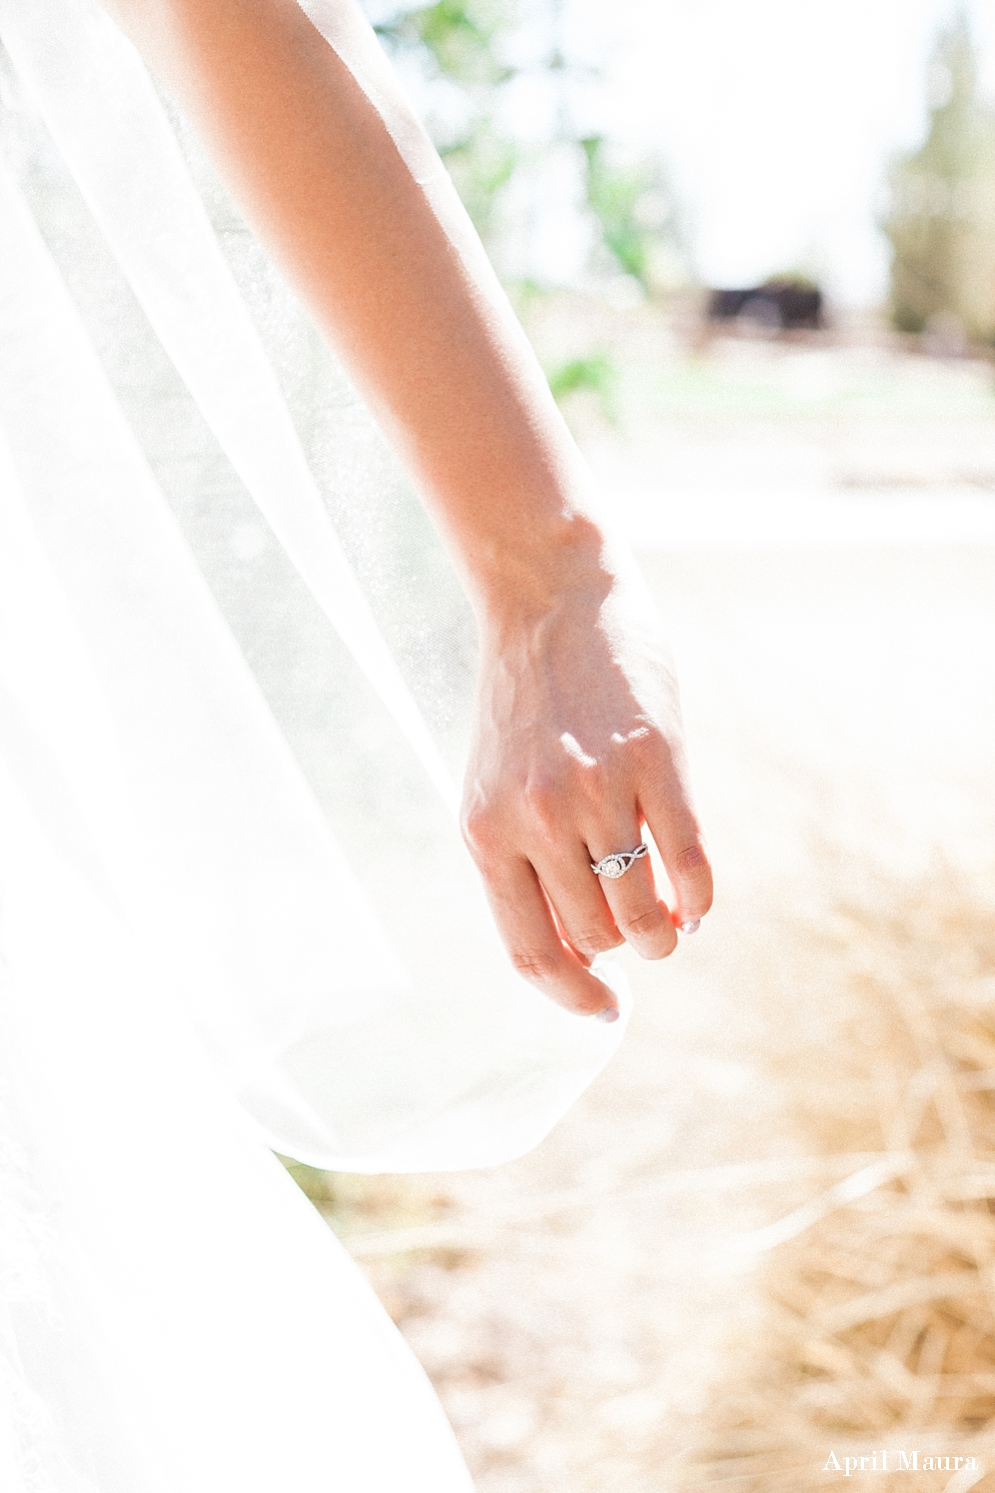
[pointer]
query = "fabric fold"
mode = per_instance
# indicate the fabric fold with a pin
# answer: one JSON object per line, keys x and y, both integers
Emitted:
{"x": 215, "y": 844}
{"x": 103, "y": 112}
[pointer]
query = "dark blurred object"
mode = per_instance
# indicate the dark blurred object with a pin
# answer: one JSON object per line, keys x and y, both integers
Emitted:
{"x": 783, "y": 304}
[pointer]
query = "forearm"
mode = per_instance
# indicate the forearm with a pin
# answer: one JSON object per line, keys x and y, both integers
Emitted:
{"x": 578, "y": 743}
{"x": 335, "y": 171}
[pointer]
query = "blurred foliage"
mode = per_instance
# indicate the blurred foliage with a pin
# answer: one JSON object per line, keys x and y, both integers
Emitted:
{"x": 597, "y": 375}
{"x": 458, "y": 46}
{"x": 941, "y": 217}
{"x": 463, "y": 50}
{"x": 615, "y": 197}
{"x": 637, "y": 215}
{"x": 481, "y": 164}
{"x": 459, "y": 36}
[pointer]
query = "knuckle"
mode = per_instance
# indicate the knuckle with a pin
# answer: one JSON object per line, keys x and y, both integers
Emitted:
{"x": 536, "y": 965}
{"x": 656, "y": 755}
{"x": 692, "y": 863}
{"x": 640, "y": 924}
{"x": 648, "y": 749}
{"x": 596, "y": 941}
{"x": 478, "y": 823}
{"x": 541, "y": 803}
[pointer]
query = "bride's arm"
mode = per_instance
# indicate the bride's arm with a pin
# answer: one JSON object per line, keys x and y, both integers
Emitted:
{"x": 579, "y": 741}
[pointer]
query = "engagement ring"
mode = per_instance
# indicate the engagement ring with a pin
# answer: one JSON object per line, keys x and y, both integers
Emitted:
{"x": 618, "y": 863}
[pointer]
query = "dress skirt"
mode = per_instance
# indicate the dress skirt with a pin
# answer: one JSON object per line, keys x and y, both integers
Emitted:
{"x": 235, "y": 914}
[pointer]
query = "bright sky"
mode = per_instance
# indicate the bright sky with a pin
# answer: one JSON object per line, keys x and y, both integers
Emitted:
{"x": 778, "y": 118}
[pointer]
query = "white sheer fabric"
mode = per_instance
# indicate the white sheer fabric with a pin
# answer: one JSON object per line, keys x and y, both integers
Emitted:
{"x": 190, "y": 968}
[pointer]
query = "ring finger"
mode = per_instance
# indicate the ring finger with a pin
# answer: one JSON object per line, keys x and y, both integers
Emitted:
{"x": 640, "y": 914}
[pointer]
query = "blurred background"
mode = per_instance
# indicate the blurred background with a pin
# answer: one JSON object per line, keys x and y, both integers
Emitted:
{"x": 754, "y": 247}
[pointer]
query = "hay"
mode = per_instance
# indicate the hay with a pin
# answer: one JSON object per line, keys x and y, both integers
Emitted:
{"x": 877, "y": 1325}
{"x": 867, "y": 1277}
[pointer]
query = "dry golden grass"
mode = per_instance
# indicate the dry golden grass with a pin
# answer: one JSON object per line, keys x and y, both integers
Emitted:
{"x": 877, "y": 1300}
{"x": 868, "y": 1315}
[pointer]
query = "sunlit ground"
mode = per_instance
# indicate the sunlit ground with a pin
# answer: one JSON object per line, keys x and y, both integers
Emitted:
{"x": 681, "y": 1289}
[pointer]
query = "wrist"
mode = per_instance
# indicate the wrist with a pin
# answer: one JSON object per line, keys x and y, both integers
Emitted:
{"x": 548, "y": 564}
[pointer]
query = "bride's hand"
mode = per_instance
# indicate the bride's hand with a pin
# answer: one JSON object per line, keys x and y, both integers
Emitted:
{"x": 579, "y": 745}
{"x": 579, "y": 749}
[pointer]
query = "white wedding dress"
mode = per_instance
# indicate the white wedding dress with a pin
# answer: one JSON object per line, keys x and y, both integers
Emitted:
{"x": 191, "y": 973}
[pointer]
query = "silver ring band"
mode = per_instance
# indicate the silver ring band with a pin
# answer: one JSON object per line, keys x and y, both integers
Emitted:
{"x": 615, "y": 865}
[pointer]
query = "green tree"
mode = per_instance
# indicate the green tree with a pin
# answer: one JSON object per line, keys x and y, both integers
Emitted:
{"x": 458, "y": 45}
{"x": 637, "y": 216}
{"x": 461, "y": 49}
{"x": 459, "y": 35}
{"x": 941, "y": 218}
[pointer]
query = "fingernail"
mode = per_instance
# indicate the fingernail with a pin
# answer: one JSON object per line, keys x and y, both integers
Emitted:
{"x": 691, "y": 926}
{"x": 610, "y": 1013}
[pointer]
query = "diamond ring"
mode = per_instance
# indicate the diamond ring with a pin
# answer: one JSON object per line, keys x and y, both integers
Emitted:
{"x": 616, "y": 864}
